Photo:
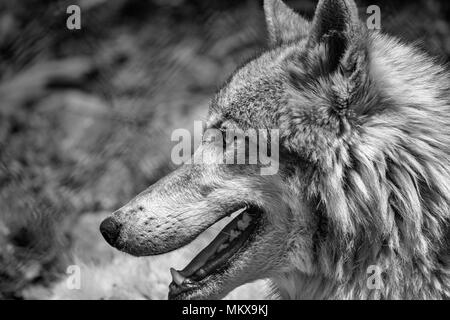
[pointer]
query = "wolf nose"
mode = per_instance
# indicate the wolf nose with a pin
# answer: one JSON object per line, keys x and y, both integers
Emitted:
{"x": 110, "y": 230}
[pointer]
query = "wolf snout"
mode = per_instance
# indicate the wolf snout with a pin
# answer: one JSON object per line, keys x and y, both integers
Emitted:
{"x": 110, "y": 230}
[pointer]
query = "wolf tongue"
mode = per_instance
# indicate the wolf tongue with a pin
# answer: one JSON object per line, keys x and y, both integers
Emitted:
{"x": 204, "y": 255}
{"x": 208, "y": 252}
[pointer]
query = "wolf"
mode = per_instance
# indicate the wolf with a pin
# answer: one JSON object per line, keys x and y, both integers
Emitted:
{"x": 360, "y": 205}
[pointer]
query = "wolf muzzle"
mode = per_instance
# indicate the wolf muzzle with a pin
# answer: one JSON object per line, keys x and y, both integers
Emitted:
{"x": 172, "y": 212}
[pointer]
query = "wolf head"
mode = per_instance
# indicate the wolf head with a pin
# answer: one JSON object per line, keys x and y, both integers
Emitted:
{"x": 363, "y": 179}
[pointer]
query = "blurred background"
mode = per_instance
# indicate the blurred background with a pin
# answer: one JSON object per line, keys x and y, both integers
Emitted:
{"x": 86, "y": 117}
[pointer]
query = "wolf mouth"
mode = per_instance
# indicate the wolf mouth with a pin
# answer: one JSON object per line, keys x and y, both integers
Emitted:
{"x": 218, "y": 256}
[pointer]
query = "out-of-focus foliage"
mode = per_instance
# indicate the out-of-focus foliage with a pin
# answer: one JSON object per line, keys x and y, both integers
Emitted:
{"x": 86, "y": 115}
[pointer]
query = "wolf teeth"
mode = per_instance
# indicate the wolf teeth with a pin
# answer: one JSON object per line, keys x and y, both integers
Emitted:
{"x": 222, "y": 247}
{"x": 234, "y": 234}
{"x": 244, "y": 222}
{"x": 177, "y": 277}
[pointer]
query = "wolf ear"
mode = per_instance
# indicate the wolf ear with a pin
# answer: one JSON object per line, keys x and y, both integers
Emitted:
{"x": 283, "y": 23}
{"x": 337, "y": 26}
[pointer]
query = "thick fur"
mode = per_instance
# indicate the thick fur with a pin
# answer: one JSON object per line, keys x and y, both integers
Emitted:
{"x": 364, "y": 166}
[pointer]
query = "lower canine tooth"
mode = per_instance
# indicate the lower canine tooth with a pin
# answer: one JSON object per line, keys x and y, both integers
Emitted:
{"x": 244, "y": 221}
{"x": 177, "y": 277}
